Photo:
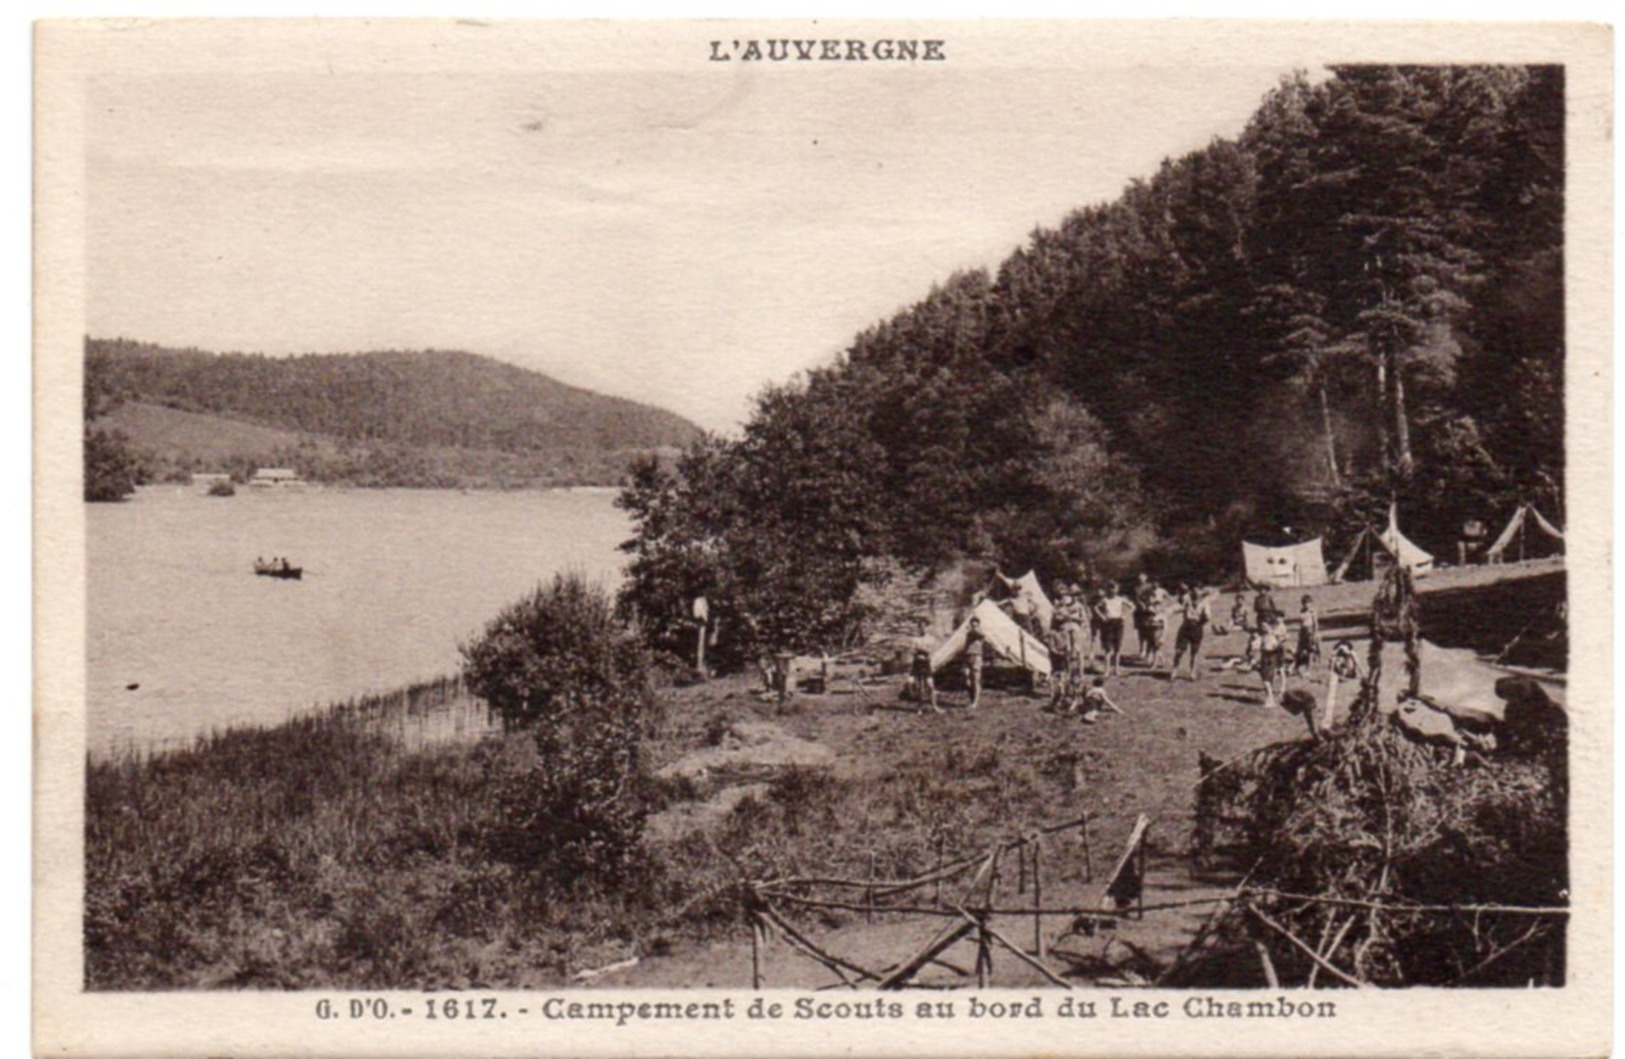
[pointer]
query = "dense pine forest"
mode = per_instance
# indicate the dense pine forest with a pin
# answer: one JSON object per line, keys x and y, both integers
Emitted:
{"x": 399, "y": 418}
{"x": 1357, "y": 301}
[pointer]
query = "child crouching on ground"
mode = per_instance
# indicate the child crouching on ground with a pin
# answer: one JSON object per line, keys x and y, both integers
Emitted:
{"x": 1096, "y": 701}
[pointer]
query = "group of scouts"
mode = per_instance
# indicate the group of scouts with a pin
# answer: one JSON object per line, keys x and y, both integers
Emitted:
{"x": 1089, "y": 628}
{"x": 1267, "y": 639}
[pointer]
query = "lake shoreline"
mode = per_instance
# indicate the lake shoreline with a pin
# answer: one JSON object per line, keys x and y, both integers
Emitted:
{"x": 183, "y": 638}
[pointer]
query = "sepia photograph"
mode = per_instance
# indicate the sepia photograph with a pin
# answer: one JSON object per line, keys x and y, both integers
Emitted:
{"x": 951, "y": 528}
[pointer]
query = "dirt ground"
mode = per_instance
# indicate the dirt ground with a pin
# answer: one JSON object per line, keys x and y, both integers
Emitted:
{"x": 1144, "y": 761}
{"x": 1030, "y": 769}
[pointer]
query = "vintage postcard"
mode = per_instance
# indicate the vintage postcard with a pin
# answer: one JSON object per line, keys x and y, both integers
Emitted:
{"x": 823, "y": 538}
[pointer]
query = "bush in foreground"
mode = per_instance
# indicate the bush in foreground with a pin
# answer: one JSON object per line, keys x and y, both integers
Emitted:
{"x": 559, "y": 664}
{"x": 1380, "y": 835}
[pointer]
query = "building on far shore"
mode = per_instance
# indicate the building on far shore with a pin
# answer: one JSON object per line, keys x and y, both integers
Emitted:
{"x": 204, "y": 482}
{"x": 275, "y": 478}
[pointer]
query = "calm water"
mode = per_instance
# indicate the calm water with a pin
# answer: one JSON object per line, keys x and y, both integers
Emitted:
{"x": 394, "y": 580}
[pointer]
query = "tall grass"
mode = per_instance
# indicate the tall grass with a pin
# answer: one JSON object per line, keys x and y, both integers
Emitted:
{"x": 331, "y": 852}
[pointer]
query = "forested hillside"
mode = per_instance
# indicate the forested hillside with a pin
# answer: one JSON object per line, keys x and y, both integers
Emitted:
{"x": 1357, "y": 300}
{"x": 414, "y": 418}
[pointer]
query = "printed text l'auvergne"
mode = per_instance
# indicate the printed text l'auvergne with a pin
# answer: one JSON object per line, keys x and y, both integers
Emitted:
{"x": 883, "y": 49}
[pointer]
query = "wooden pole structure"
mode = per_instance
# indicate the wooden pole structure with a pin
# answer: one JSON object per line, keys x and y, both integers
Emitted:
{"x": 1139, "y": 901}
{"x": 1299, "y": 944}
{"x": 806, "y": 946}
{"x": 940, "y": 836}
{"x": 984, "y": 944}
{"x": 1036, "y": 965}
{"x": 1021, "y": 867}
{"x": 984, "y": 952}
{"x": 949, "y": 935}
{"x": 1267, "y": 963}
{"x": 1088, "y": 858}
{"x": 869, "y": 891}
{"x": 755, "y": 952}
{"x": 1038, "y": 897}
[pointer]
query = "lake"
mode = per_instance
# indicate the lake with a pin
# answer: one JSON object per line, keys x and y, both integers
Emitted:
{"x": 183, "y": 638}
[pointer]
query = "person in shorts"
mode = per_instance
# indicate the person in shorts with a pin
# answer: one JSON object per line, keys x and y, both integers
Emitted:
{"x": 1070, "y": 620}
{"x": 975, "y": 655}
{"x": 920, "y": 679}
{"x": 1145, "y": 598}
{"x": 1264, "y": 606}
{"x": 1272, "y": 657}
{"x": 1097, "y": 592}
{"x": 1194, "y": 616}
{"x": 1115, "y": 610}
{"x": 1156, "y": 634}
{"x": 1308, "y": 652}
{"x": 1061, "y": 664}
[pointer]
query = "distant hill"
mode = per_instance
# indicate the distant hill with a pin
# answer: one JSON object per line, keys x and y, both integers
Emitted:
{"x": 415, "y": 418}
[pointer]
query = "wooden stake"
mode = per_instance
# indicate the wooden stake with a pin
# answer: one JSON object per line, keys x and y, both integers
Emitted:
{"x": 1267, "y": 963}
{"x": 1021, "y": 867}
{"x": 1139, "y": 901}
{"x": 1015, "y": 951}
{"x": 1038, "y": 897}
{"x": 1302, "y": 947}
{"x": 755, "y": 953}
{"x": 940, "y": 837}
{"x": 984, "y": 953}
{"x": 1326, "y": 951}
{"x": 1088, "y": 861}
{"x": 948, "y": 936}
{"x": 834, "y": 963}
{"x": 869, "y": 891}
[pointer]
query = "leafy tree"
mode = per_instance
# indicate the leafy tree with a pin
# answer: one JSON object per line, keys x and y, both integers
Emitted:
{"x": 111, "y": 470}
{"x": 559, "y": 664}
{"x": 1357, "y": 300}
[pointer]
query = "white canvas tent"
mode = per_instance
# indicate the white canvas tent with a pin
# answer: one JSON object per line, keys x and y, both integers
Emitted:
{"x": 1399, "y": 547}
{"x": 1004, "y": 638}
{"x": 1027, "y": 587}
{"x": 1515, "y": 530}
{"x": 1298, "y": 564}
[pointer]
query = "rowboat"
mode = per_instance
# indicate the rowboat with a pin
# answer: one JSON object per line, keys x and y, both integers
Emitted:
{"x": 279, "y": 568}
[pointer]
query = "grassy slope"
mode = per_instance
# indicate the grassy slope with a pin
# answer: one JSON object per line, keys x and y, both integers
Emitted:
{"x": 321, "y": 855}
{"x": 175, "y": 434}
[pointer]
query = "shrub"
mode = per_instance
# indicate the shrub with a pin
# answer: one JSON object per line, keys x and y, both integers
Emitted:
{"x": 1365, "y": 815}
{"x": 559, "y": 664}
{"x": 111, "y": 471}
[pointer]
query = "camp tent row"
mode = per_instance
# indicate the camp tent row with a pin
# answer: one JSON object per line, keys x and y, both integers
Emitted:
{"x": 1304, "y": 564}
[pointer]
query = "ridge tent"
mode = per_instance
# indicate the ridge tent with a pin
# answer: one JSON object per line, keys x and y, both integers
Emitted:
{"x": 1517, "y": 529}
{"x": 1301, "y": 564}
{"x": 1400, "y": 547}
{"x": 1395, "y": 543}
{"x": 1003, "y": 637}
{"x": 1027, "y": 587}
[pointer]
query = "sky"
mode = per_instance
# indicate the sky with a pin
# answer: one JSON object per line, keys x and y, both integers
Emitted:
{"x": 680, "y": 235}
